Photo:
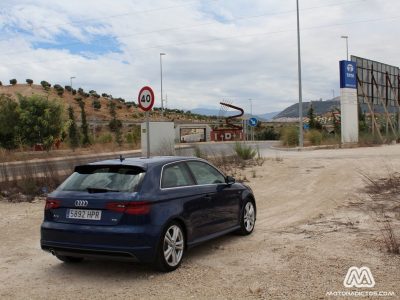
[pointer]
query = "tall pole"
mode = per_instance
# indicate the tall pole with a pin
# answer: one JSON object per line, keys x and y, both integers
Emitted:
{"x": 161, "y": 75}
{"x": 251, "y": 115}
{"x": 347, "y": 45}
{"x": 147, "y": 135}
{"x": 72, "y": 77}
{"x": 299, "y": 70}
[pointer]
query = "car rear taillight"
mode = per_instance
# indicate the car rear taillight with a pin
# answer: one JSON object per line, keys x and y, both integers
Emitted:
{"x": 52, "y": 203}
{"x": 130, "y": 208}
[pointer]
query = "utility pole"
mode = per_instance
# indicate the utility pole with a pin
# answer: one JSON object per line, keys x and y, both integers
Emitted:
{"x": 300, "y": 88}
{"x": 347, "y": 45}
{"x": 161, "y": 76}
{"x": 72, "y": 77}
{"x": 251, "y": 115}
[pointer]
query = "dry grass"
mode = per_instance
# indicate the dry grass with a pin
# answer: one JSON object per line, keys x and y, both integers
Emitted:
{"x": 232, "y": 164}
{"x": 27, "y": 181}
{"x": 385, "y": 207}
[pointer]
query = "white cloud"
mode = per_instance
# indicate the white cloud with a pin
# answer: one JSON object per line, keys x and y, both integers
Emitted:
{"x": 215, "y": 49}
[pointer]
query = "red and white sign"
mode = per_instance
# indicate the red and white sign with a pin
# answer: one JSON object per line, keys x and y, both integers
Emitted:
{"x": 146, "y": 98}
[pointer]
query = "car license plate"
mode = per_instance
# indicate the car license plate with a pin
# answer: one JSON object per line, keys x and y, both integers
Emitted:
{"x": 84, "y": 214}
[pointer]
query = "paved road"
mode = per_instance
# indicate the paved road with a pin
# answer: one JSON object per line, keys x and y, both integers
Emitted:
{"x": 66, "y": 164}
{"x": 20, "y": 169}
{"x": 225, "y": 148}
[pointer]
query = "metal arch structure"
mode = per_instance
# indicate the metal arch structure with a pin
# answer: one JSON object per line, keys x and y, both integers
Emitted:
{"x": 221, "y": 134}
{"x": 229, "y": 119}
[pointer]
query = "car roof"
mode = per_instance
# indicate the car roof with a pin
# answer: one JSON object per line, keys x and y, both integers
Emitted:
{"x": 143, "y": 162}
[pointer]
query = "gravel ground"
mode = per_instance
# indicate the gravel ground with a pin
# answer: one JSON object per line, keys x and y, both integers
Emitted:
{"x": 312, "y": 225}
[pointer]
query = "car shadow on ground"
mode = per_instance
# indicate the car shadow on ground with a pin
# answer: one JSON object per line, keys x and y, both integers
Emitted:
{"x": 98, "y": 268}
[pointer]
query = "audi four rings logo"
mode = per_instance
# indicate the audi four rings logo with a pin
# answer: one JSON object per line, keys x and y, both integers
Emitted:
{"x": 81, "y": 203}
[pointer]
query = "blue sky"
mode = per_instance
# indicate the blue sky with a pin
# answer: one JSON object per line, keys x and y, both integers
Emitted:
{"x": 215, "y": 50}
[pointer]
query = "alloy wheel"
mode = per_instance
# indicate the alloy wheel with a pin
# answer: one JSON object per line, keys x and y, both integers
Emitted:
{"x": 249, "y": 216}
{"x": 173, "y": 245}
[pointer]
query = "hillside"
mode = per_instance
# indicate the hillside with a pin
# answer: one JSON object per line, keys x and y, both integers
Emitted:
{"x": 323, "y": 107}
{"x": 320, "y": 108}
{"x": 126, "y": 112}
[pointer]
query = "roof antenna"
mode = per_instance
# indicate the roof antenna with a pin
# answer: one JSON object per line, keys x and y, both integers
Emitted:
{"x": 121, "y": 158}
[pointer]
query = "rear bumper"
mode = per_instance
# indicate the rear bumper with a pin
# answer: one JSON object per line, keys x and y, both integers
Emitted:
{"x": 136, "y": 243}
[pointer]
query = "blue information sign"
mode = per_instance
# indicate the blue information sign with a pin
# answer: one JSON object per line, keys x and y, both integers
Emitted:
{"x": 348, "y": 74}
{"x": 253, "y": 122}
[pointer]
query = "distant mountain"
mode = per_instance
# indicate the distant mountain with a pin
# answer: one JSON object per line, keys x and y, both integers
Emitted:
{"x": 323, "y": 107}
{"x": 268, "y": 116}
{"x": 217, "y": 112}
{"x": 320, "y": 108}
{"x": 205, "y": 111}
{"x": 211, "y": 112}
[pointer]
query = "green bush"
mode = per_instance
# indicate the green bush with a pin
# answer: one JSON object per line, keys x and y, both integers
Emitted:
{"x": 314, "y": 137}
{"x": 267, "y": 134}
{"x": 29, "y": 81}
{"x": 244, "y": 151}
{"x": 41, "y": 120}
{"x": 9, "y": 120}
{"x": 96, "y": 104}
{"x": 59, "y": 89}
{"x": 290, "y": 136}
{"x": 105, "y": 138}
{"x": 45, "y": 85}
{"x": 13, "y": 81}
{"x": 132, "y": 138}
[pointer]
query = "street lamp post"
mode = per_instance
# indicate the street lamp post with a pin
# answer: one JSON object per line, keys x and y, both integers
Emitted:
{"x": 299, "y": 71}
{"x": 347, "y": 45}
{"x": 251, "y": 115}
{"x": 72, "y": 77}
{"x": 161, "y": 75}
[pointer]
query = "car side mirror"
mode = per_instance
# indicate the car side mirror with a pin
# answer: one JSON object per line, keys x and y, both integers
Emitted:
{"x": 230, "y": 180}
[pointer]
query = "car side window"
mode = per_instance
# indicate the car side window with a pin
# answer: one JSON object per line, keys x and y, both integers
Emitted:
{"x": 176, "y": 175}
{"x": 204, "y": 173}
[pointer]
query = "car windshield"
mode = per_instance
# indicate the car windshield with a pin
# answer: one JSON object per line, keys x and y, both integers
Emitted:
{"x": 102, "y": 179}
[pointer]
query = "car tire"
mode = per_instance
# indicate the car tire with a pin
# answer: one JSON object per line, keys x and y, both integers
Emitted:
{"x": 69, "y": 259}
{"x": 171, "y": 248}
{"x": 247, "y": 218}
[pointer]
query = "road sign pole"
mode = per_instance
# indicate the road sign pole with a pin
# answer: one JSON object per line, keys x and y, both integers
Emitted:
{"x": 148, "y": 134}
{"x": 146, "y": 102}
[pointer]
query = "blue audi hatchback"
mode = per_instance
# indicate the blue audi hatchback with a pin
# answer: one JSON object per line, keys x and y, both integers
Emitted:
{"x": 149, "y": 210}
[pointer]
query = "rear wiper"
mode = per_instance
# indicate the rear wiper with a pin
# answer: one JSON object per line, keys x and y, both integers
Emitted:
{"x": 100, "y": 190}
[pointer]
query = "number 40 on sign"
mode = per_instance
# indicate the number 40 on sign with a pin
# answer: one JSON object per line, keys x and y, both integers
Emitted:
{"x": 146, "y": 98}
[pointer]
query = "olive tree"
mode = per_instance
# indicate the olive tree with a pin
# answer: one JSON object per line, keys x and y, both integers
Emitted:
{"x": 40, "y": 120}
{"x": 73, "y": 133}
{"x": 9, "y": 118}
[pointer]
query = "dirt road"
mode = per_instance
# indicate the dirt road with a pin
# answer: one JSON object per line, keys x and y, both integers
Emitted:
{"x": 311, "y": 228}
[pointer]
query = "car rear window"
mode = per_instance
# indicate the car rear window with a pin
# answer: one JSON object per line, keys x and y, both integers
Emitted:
{"x": 99, "y": 179}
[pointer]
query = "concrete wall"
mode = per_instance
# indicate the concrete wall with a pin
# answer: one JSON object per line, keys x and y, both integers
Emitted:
{"x": 349, "y": 115}
{"x": 162, "y": 138}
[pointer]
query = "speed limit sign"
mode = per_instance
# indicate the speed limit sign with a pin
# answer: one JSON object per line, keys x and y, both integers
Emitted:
{"x": 146, "y": 98}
